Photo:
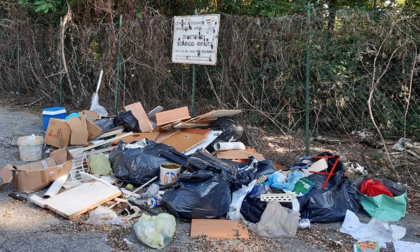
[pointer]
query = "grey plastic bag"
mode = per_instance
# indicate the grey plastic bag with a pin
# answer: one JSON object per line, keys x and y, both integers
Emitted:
{"x": 276, "y": 221}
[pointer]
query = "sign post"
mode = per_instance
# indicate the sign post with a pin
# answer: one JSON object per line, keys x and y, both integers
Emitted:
{"x": 195, "y": 42}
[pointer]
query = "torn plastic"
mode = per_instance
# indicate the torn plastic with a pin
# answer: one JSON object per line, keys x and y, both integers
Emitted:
{"x": 137, "y": 166}
{"x": 276, "y": 221}
{"x": 96, "y": 107}
{"x": 375, "y": 230}
{"x": 237, "y": 197}
{"x": 103, "y": 216}
{"x": 252, "y": 171}
{"x": 151, "y": 191}
{"x": 279, "y": 182}
{"x": 331, "y": 204}
{"x": 198, "y": 195}
{"x": 155, "y": 231}
{"x": 128, "y": 121}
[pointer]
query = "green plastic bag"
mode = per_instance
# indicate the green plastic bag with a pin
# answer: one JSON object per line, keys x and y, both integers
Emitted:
{"x": 99, "y": 165}
{"x": 383, "y": 207}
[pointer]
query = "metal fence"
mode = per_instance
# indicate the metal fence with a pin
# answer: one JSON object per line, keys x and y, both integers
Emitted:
{"x": 364, "y": 69}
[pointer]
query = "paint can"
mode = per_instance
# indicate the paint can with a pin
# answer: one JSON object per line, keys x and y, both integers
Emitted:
{"x": 169, "y": 172}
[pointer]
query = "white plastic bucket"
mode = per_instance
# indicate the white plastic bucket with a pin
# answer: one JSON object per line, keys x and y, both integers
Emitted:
{"x": 169, "y": 172}
{"x": 30, "y": 147}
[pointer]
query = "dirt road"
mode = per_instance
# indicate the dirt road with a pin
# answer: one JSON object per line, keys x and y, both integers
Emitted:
{"x": 26, "y": 227}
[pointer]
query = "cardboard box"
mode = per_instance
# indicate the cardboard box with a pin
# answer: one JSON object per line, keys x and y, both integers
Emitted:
{"x": 37, "y": 175}
{"x": 75, "y": 131}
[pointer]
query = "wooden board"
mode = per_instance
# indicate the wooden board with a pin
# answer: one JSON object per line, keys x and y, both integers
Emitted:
{"x": 203, "y": 132}
{"x": 153, "y": 112}
{"x": 110, "y": 133}
{"x": 216, "y": 114}
{"x": 78, "y": 200}
{"x": 319, "y": 165}
{"x": 141, "y": 116}
{"x": 209, "y": 139}
{"x": 184, "y": 141}
{"x": 189, "y": 125}
{"x": 137, "y": 137}
{"x": 165, "y": 135}
{"x": 172, "y": 115}
{"x": 240, "y": 154}
{"x": 219, "y": 229}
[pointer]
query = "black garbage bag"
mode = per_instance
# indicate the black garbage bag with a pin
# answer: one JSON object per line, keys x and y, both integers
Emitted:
{"x": 128, "y": 121}
{"x": 231, "y": 131}
{"x": 252, "y": 209}
{"x": 105, "y": 124}
{"x": 331, "y": 204}
{"x": 203, "y": 160}
{"x": 198, "y": 195}
{"x": 137, "y": 166}
{"x": 245, "y": 176}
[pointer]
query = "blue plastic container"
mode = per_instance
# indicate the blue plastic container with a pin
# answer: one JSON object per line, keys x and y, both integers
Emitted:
{"x": 54, "y": 112}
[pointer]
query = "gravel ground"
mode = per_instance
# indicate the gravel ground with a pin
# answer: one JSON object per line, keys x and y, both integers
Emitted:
{"x": 26, "y": 227}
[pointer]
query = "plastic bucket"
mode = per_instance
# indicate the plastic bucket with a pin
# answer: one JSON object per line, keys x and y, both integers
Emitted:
{"x": 30, "y": 147}
{"x": 169, "y": 172}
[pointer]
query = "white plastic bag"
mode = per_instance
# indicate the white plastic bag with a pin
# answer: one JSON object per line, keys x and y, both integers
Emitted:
{"x": 238, "y": 197}
{"x": 156, "y": 231}
{"x": 103, "y": 216}
{"x": 276, "y": 221}
{"x": 96, "y": 107}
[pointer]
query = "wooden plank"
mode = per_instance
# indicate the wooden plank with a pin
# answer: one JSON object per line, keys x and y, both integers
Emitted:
{"x": 203, "y": 132}
{"x": 165, "y": 135}
{"x": 78, "y": 200}
{"x": 184, "y": 141}
{"x": 107, "y": 141}
{"x": 137, "y": 137}
{"x": 219, "y": 229}
{"x": 216, "y": 114}
{"x": 153, "y": 112}
{"x": 141, "y": 116}
{"x": 319, "y": 165}
{"x": 172, "y": 115}
{"x": 209, "y": 139}
{"x": 240, "y": 154}
{"x": 102, "y": 150}
{"x": 189, "y": 125}
{"x": 110, "y": 133}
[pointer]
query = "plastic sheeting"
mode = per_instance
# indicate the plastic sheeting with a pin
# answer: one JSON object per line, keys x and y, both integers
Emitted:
{"x": 137, "y": 166}
{"x": 276, "y": 221}
{"x": 198, "y": 195}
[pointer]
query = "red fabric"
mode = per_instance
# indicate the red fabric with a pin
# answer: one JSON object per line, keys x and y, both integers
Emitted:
{"x": 372, "y": 189}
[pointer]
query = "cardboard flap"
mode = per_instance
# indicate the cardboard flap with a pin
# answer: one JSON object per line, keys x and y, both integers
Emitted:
{"x": 6, "y": 176}
{"x": 58, "y": 130}
{"x": 91, "y": 115}
{"x": 82, "y": 120}
{"x": 93, "y": 130}
{"x": 60, "y": 156}
{"x": 38, "y": 165}
{"x": 138, "y": 112}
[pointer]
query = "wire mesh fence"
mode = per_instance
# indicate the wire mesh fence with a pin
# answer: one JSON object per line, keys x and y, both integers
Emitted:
{"x": 364, "y": 70}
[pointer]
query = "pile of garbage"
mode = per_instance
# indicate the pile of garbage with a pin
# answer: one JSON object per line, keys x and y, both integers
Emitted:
{"x": 194, "y": 170}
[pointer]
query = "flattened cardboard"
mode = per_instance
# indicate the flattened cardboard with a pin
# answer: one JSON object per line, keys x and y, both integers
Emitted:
{"x": 79, "y": 199}
{"x": 172, "y": 115}
{"x": 219, "y": 229}
{"x": 35, "y": 176}
{"x": 189, "y": 125}
{"x": 137, "y": 137}
{"x": 58, "y": 133}
{"x": 184, "y": 141}
{"x": 93, "y": 130}
{"x": 79, "y": 133}
{"x": 6, "y": 176}
{"x": 239, "y": 154}
{"x": 138, "y": 112}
